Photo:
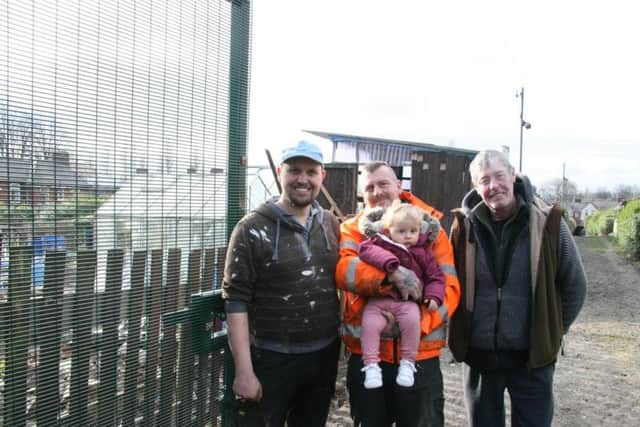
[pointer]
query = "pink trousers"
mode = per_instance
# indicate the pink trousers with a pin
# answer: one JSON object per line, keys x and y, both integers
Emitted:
{"x": 407, "y": 314}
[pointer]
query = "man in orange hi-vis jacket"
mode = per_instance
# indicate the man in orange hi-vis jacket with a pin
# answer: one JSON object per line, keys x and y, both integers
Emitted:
{"x": 423, "y": 403}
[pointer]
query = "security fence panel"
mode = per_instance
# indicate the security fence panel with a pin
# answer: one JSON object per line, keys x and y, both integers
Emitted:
{"x": 123, "y": 129}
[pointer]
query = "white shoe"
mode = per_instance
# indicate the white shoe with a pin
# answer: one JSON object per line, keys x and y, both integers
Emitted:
{"x": 372, "y": 376}
{"x": 405, "y": 373}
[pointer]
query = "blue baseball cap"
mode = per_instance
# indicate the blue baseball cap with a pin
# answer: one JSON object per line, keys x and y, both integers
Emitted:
{"x": 303, "y": 149}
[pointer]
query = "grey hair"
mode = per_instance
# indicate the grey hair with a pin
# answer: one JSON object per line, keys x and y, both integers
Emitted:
{"x": 373, "y": 166}
{"x": 484, "y": 159}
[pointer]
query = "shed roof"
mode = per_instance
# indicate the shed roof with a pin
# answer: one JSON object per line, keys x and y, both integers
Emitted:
{"x": 350, "y": 148}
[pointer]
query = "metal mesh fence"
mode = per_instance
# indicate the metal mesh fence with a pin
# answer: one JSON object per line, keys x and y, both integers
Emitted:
{"x": 122, "y": 139}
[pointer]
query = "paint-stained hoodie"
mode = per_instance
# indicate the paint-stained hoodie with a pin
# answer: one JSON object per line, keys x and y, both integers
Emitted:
{"x": 284, "y": 274}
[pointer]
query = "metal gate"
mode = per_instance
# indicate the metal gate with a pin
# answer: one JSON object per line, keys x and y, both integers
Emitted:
{"x": 123, "y": 128}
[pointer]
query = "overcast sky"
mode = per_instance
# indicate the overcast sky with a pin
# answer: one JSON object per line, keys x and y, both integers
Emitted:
{"x": 446, "y": 72}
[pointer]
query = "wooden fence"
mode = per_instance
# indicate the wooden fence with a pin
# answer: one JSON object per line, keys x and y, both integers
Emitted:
{"x": 151, "y": 353}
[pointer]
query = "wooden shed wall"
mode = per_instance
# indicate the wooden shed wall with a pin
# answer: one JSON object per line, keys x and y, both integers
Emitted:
{"x": 341, "y": 183}
{"x": 441, "y": 179}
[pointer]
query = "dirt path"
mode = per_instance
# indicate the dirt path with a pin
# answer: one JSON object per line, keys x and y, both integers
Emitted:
{"x": 597, "y": 381}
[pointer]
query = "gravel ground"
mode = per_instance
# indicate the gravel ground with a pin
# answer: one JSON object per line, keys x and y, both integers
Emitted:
{"x": 597, "y": 381}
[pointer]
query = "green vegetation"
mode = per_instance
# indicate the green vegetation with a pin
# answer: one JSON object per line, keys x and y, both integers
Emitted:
{"x": 627, "y": 220}
{"x": 600, "y": 223}
{"x": 18, "y": 213}
{"x": 628, "y": 229}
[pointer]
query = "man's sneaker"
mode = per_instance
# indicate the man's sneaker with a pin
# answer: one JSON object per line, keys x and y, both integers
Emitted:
{"x": 372, "y": 376}
{"x": 405, "y": 373}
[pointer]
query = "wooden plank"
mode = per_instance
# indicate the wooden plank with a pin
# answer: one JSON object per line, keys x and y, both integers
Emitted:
{"x": 82, "y": 315}
{"x": 168, "y": 343}
{"x": 136, "y": 294}
{"x": 333, "y": 207}
{"x": 273, "y": 171}
{"x": 204, "y": 360}
{"x": 109, "y": 320}
{"x": 19, "y": 304}
{"x": 185, "y": 372}
{"x": 48, "y": 320}
{"x": 208, "y": 269}
{"x": 153, "y": 310}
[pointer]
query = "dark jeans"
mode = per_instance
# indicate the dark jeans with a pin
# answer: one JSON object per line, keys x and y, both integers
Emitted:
{"x": 296, "y": 388}
{"x": 419, "y": 406}
{"x": 531, "y": 393}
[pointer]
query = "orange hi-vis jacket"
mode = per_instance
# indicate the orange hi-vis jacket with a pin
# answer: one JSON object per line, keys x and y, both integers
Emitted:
{"x": 359, "y": 280}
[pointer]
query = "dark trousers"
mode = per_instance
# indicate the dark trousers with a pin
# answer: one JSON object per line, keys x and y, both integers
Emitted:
{"x": 531, "y": 393}
{"x": 419, "y": 406}
{"x": 296, "y": 388}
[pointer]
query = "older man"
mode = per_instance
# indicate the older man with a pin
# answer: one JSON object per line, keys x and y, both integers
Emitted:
{"x": 281, "y": 302}
{"x": 523, "y": 285}
{"x": 421, "y": 404}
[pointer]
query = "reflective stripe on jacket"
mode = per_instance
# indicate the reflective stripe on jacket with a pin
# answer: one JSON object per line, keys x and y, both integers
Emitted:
{"x": 358, "y": 280}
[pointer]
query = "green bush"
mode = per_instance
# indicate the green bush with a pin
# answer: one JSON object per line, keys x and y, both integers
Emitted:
{"x": 629, "y": 228}
{"x": 600, "y": 223}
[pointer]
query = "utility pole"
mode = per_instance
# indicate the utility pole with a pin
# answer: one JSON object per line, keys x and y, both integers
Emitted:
{"x": 523, "y": 123}
{"x": 564, "y": 184}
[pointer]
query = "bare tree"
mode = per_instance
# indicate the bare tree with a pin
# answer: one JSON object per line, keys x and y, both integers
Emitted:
{"x": 24, "y": 135}
{"x": 626, "y": 192}
{"x": 602, "y": 194}
{"x": 558, "y": 190}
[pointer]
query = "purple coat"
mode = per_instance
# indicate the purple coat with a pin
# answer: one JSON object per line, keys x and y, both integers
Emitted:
{"x": 387, "y": 255}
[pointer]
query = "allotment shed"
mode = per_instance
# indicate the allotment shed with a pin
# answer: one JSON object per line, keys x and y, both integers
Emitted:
{"x": 435, "y": 173}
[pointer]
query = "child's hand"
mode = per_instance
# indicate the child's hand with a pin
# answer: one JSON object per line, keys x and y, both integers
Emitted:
{"x": 432, "y": 305}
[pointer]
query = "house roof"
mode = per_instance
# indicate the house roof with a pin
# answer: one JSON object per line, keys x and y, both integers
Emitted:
{"x": 577, "y": 206}
{"x": 605, "y": 204}
{"x": 64, "y": 176}
{"x": 41, "y": 172}
{"x": 15, "y": 170}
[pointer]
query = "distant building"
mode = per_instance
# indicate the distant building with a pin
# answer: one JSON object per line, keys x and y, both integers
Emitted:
{"x": 33, "y": 183}
{"x": 587, "y": 209}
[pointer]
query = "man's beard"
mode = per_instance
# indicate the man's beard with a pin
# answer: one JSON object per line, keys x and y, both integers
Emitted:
{"x": 301, "y": 202}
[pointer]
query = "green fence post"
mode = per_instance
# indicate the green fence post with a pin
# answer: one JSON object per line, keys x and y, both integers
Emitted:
{"x": 238, "y": 120}
{"x": 238, "y": 111}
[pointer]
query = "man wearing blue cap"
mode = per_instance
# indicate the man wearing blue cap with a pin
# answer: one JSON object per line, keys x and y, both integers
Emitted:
{"x": 281, "y": 302}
